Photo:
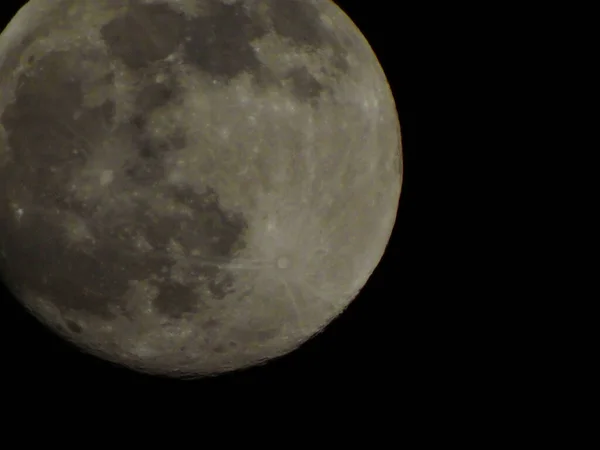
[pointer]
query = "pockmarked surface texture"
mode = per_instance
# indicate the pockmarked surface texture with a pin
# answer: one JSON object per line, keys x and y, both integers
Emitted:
{"x": 189, "y": 187}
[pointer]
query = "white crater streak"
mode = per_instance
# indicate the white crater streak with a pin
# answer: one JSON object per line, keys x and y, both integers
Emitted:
{"x": 294, "y": 304}
{"x": 236, "y": 264}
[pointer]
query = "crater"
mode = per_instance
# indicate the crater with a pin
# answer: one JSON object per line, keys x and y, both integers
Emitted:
{"x": 283, "y": 262}
{"x": 74, "y": 326}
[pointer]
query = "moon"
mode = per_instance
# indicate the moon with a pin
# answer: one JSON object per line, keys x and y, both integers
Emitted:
{"x": 190, "y": 187}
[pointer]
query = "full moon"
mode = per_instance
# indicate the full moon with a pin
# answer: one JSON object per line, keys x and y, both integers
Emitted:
{"x": 189, "y": 187}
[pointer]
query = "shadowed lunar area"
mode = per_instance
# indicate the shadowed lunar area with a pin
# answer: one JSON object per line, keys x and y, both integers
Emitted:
{"x": 195, "y": 186}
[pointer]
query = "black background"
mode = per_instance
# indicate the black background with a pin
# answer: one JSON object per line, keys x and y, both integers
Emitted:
{"x": 373, "y": 348}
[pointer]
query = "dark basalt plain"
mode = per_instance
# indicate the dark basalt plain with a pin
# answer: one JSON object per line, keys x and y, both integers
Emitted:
{"x": 146, "y": 34}
{"x": 219, "y": 43}
{"x": 49, "y": 148}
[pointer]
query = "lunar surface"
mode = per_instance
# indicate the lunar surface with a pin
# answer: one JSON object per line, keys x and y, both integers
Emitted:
{"x": 189, "y": 187}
